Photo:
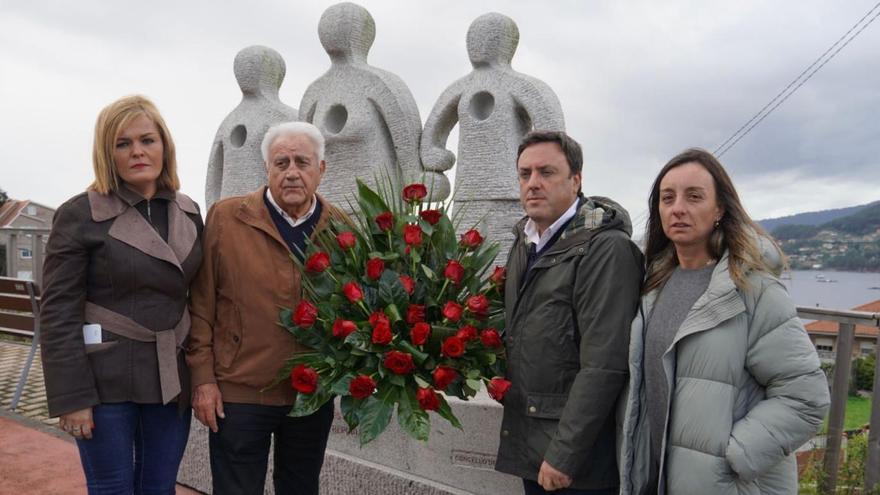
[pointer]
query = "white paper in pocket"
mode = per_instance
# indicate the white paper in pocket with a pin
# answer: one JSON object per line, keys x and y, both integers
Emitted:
{"x": 92, "y": 333}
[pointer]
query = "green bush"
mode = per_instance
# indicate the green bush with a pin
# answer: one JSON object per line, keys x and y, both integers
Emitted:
{"x": 863, "y": 372}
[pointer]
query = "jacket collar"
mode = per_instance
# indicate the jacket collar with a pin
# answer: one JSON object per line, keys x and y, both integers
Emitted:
{"x": 130, "y": 227}
{"x": 719, "y": 303}
{"x": 253, "y": 212}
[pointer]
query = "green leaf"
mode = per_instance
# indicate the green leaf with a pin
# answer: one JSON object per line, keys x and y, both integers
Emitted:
{"x": 428, "y": 272}
{"x": 417, "y": 355}
{"x": 412, "y": 418}
{"x": 306, "y": 405}
{"x": 374, "y": 417}
{"x": 359, "y": 339}
{"x": 370, "y": 202}
{"x": 473, "y": 374}
{"x": 473, "y": 384}
{"x": 323, "y": 285}
{"x": 446, "y": 413}
{"x": 421, "y": 381}
{"x": 340, "y": 386}
{"x": 397, "y": 380}
{"x": 350, "y": 408}
{"x": 391, "y": 290}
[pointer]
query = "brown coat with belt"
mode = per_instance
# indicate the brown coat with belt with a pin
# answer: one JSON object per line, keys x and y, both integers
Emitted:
{"x": 103, "y": 249}
{"x": 247, "y": 276}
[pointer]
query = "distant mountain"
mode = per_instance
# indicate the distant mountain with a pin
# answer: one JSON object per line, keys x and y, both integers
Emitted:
{"x": 813, "y": 218}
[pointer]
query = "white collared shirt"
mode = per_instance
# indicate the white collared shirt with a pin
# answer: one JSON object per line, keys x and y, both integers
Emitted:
{"x": 294, "y": 222}
{"x": 531, "y": 230}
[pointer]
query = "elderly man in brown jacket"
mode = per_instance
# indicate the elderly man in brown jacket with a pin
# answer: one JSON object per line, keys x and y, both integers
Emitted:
{"x": 236, "y": 346}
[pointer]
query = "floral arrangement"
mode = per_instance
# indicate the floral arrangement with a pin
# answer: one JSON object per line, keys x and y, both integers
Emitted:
{"x": 400, "y": 312}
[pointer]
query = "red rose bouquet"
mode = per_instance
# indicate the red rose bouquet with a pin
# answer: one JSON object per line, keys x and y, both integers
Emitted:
{"x": 400, "y": 312}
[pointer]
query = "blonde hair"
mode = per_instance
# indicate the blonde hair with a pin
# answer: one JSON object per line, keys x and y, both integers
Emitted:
{"x": 736, "y": 233}
{"x": 112, "y": 119}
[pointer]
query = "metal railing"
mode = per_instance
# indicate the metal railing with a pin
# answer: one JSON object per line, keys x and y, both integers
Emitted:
{"x": 839, "y": 390}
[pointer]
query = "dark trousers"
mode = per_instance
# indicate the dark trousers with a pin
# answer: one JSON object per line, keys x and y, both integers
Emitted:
{"x": 135, "y": 448}
{"x": 531, "y": 487}
{"x": 240, "y": 449}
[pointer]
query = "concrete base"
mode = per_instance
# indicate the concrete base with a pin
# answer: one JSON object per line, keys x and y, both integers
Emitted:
{"x": 452, "y": 462}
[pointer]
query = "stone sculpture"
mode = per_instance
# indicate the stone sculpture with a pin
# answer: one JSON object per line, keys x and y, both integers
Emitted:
{"x": 495, "y": 106}
{"x": 367, "y": 115}
{"x": 236, "y": 164}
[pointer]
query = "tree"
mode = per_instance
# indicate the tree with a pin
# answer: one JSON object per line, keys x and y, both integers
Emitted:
{"x": 863, "y": 372}
{"x": 3, "y": 197}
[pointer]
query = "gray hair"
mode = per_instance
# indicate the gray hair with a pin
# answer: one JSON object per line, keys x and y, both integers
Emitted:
{"x": 293, "y": 129}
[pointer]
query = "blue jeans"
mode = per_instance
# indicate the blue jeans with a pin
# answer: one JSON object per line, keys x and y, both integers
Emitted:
{"x": 135, "y": 448}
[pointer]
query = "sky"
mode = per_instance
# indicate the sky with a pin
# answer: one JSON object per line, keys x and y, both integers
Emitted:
{"x": 638, "y": 81}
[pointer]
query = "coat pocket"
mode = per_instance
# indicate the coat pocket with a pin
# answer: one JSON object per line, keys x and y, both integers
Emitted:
{"x": 103, "y": 346}
{"x": 545, "y": 406}
{"x": 227, "y": 334}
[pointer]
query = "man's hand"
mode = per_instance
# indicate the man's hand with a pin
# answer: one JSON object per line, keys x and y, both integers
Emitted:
{"x": 552, "y": 479}
{"x": 78, "y": 423}
{"x": 208, "y": 405}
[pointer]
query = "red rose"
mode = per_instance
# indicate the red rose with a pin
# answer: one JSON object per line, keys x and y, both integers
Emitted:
{"x": 498, "y": 275}
{"x": 490, "y": 338}
{"x": 454, "y": 271}
{"x": 375, "y": 267}
{"x": 428, "y": 399}
{"x": 443, "y": 376}
{"x": 305, "y": 314}
{"x": 431, "y": 216}
{"x": 497, "y": 387}
{"x": 414, "y": 193}
{"x": 471, "y": 239}
{"x": 478, "y": 305}
{"x": 467, "y": 333}
{"x": 412, "y": 235}
{"x": 362, "y": 387}
{"x": 408, "y": 284}
{"x": 376, "y": 317}
{"x": 304, "y": 379}
{"x": 385, "y": 221}
{"x": 382, "y": 333}
{"x": 353, "y": 292}
{"x": 346, "y": 239}
{"x": 419, "y": 333}
{"x": 415, "y": 313}
{"x": 452, "y": 311}
{"x": 399, "y": 363}
{"x": 452, "y": 347}
{"x": 318, "y": 262}
{"x": 343, "y": 328}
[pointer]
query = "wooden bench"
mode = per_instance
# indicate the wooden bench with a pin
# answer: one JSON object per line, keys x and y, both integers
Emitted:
{"x": 20, "y": 315}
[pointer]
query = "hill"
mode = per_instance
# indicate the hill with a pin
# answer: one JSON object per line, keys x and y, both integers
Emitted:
{"x": 814, "y": 218}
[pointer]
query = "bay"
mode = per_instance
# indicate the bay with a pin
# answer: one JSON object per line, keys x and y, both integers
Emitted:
{"x": 830, "y": 289}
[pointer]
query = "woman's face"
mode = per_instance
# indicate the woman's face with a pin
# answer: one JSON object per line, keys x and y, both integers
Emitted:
{"x": 689, "y": 206}
{"x": 138, "y": 155}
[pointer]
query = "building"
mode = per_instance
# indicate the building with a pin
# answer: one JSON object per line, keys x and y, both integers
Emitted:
{"x": 823, "y": 334}
{"x": 24, "y": 227}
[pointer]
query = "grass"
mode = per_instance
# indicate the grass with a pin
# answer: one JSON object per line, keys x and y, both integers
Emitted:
{"x": 858, "y": 412}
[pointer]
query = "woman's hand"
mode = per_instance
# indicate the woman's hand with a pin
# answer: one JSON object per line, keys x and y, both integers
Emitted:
{"x": 78, "y": 423}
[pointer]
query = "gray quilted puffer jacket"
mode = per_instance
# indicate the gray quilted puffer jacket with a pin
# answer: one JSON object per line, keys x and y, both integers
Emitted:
{"x": 748, "y": 391}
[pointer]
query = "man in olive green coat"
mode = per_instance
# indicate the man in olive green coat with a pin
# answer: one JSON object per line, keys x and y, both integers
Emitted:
{"x": 573, "y": 278}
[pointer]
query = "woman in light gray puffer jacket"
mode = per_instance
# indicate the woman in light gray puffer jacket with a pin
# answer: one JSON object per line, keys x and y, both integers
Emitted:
{"x": 724, "y": 382}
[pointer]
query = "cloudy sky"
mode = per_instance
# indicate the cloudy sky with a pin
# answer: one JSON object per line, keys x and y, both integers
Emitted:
{"x": 638, "y": 82}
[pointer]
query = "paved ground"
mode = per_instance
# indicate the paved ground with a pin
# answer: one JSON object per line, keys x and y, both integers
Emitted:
{"x": 35, "y": 456}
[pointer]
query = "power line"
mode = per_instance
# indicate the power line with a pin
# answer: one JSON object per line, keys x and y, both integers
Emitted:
{"x": 761, "y": 115}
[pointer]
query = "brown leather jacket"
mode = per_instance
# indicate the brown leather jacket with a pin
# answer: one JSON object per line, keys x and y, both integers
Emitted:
{"x": 103, "y": 250}
{"x": 247, "y": 276}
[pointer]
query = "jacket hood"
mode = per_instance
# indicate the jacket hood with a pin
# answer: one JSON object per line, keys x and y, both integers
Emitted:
{"x": 594, "y": 213}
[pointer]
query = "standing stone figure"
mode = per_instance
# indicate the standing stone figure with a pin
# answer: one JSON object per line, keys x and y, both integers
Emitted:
{"x": 367, "y": 115}
{"x": 236, "y": 166}
{"x": 495, "y": 107}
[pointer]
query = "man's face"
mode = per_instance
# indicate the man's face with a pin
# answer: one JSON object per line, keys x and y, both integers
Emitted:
{"x": 294, "y": 173}
{"x": 547, "y": 188}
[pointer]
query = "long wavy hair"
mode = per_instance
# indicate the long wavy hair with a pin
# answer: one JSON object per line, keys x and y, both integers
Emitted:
{"x": 735, "y": 233}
